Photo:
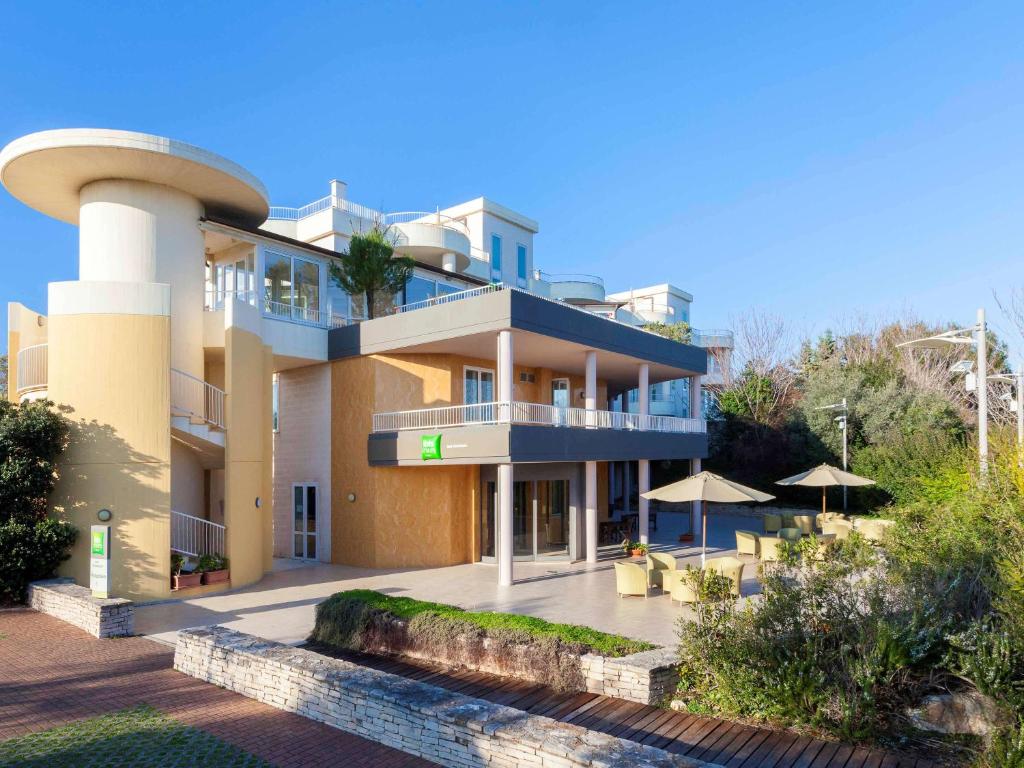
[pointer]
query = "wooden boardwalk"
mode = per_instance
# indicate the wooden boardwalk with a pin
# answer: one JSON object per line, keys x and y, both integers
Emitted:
{"x": 727, "y": 743}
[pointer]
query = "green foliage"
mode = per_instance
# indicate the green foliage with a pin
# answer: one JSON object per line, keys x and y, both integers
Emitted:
{"x": 3, "y": 375}
{"x": 680, "y": 331}
{"x": 341, "y": 619}
{"x": 177, "y": 563}
{"x": 1006, "y": 750}
{"x": 370, "y": 268}
{"x": 214, "y": 562}
{"x": 629, "y": 546}
{"x": 32, "y": 437}
{"x": 29, "y": 551}
{"x": 750, "y": 398}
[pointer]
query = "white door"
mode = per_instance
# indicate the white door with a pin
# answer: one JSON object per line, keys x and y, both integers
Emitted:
{"x": 304, "y": 517}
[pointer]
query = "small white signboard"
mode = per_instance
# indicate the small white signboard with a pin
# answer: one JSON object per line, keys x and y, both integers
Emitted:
{"x": 99, "y": 561}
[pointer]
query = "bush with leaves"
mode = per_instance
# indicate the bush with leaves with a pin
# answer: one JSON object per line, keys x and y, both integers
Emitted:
{"x": 32, "y": 437}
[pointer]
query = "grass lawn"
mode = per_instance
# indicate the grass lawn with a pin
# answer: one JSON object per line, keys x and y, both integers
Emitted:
{"x": 406, "y": 608}
{"x": 140, "y": 737}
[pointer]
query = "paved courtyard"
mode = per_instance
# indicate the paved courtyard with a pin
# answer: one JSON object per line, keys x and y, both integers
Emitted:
{"x": 281, "y": 606}
{"x": 53, "y": 674}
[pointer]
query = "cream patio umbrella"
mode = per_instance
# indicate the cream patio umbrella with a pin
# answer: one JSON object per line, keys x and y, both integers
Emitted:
{"x": 825, "y": 475}
{"x": 705, "y": 487}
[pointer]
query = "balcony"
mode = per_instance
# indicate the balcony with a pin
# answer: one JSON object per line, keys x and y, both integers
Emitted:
{"x": 575, "y": 288}
{"x": 712, "y": 339}
{"x": 277, "y": 310}
{"x": 536, "y": 414}
{"x": 32, "y": 371}
{"x": 432, "y": 238}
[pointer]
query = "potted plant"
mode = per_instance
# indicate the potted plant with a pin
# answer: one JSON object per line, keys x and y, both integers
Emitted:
{"x": 634, "y": 548}
{"x": 685, "y": 537}
{"x": 182, "y": 580}
{"x": 214, "y": 568}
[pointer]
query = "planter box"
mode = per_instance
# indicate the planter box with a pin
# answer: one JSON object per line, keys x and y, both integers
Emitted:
{"x": 215, "y": 577}
{"x": 186, "y": 580}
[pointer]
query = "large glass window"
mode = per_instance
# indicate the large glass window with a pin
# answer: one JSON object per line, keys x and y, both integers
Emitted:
{"x": 521, "y": 265}
{"x": 420, "y": 289}
{"x": 479, "y": 386}
{"x": 495, "y": 257}
{"x": 291, "y": 287}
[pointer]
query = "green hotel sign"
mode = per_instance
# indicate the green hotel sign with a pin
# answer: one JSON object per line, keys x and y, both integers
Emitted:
{"x": 430, "y": 447}
{"x": 99, "y": 542}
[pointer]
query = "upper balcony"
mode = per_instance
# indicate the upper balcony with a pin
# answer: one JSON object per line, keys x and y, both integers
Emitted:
{"x": 718, "y": 338}
{"x": 431, "y": 238}
{"x": 575, "y": 288}
{"x": 32, "y": 373}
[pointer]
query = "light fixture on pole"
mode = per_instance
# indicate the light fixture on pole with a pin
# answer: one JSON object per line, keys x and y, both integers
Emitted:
{"x": 842, "y": 422}
{"x": 974, "y": 335}
{"x": 1016, "y": 399}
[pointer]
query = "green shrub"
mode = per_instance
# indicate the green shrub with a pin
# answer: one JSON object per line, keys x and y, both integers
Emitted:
{"x": 32, "y": 437}
{"x": 214, "y": 562}
{"x": 1005, "y": 750}
{"x": 31, "y": 551}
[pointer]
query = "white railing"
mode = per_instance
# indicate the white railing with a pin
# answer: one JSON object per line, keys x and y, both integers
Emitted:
{"x": 191, "y": 535}
{"x": 32, "y": 368}
{"x": 448, "y": 298}
{"x": 339, "y": 203}
{"x": 712, "y": 338}
{"x": 570, "y": 278}
{"x": 216, "y": 299}
{"x": 531, "y": 413}
{"x": 279, "y": 310}
{"x": 432, "y": 219}
{"x": 193, "y": 397}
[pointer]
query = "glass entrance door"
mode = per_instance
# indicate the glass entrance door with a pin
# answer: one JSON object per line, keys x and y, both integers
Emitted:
{"x": 540, "y": 520}
{"x": 304, "y": 526}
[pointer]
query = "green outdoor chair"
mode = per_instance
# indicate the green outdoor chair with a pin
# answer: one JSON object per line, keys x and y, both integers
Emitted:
{"x": 805, "y": 523}
{"x": 772, "y": 523}
{"x": 630, "y": 579}
{"x": 659, "y": 564}
{"x": 748, "y": 543}
{"x": 791, "y": 534}
{"x": 788, "y": 521}
{"x": 730, "y": 567}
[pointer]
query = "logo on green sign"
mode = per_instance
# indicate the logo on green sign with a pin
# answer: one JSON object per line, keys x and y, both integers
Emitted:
{"x": 430, "y": 447}
{"x": 97, "y": 543}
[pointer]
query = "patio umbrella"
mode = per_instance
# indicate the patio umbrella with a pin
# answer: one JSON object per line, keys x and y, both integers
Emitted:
{"x": 825, "y": 475}
{"x": 705, "y": 487}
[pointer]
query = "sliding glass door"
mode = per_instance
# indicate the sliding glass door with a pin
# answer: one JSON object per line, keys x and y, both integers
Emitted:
{"x": 541, "y": 520}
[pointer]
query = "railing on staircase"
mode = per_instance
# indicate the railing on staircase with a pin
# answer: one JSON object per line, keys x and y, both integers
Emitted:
{"x": 191, "y": 535}
{"x": 193, "y": 397}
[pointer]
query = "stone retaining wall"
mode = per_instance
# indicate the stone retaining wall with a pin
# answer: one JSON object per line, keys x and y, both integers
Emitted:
{"x": 649, "y": 677}
{"x": 423, "y": 720}
{"x": 67, "y": 601}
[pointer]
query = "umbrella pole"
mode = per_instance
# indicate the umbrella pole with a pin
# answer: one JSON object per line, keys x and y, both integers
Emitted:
{"x": 703, "y": 531}
{"x": 823, "y": 499}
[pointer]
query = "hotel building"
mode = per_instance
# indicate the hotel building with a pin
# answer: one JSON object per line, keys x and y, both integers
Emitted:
{"x": 226, "y": 397}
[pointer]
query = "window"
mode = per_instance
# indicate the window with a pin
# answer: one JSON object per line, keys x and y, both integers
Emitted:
{"x": 291, "y": 287}
{"x": 478, "y": 386}
{"x": 495, "y": 257}
{"x": 234, "y": 280}
{"x": 521, "y": 265}
{"x": 419, "y": 289}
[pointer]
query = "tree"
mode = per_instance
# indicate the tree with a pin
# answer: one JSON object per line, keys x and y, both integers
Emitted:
{"x": 32, "y": 437}
{"x": 371, "y": 268}
{"x": 3, "y": 376}
{"x": 680, "y": 331}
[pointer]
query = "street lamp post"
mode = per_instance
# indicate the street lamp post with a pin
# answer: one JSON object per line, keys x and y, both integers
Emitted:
{"x": 842, "y": 421}
{"x": 975, "y": 335}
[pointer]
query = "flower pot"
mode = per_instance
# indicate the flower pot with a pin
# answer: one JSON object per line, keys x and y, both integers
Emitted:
{"x": 686, "y": 537}
{"x": 186, "y": 580}
{"x": 215, "y": 577}
{"x": 637, "y": 553}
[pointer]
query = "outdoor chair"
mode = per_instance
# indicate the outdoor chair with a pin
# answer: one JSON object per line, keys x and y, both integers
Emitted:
{"x": 658, "y": 565}
{"x": 788, "y": 521}
{"x": 748, "y": 543}
{"x": 805, "y": 523}
{"x": 770, "y": 549}
{"x": 824, "y": 517}
{"x": 680, "y": 586}
{"x": 872, "y": 529}
{"x": 630, "y": 579}
{"x": 729, "y": 567}
{"x": 791, "y": 534}
{"x": 772, "y": 523}
{"x": 841, "y": 528}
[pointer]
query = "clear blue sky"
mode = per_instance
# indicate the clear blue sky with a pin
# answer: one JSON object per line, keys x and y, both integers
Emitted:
{"x": 817, "y": 159}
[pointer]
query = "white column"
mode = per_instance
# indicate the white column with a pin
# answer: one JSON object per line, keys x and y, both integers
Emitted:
{"x": 590, "y": 500}
{"x": 643, "y": 465}
{"x": 505, "y": 383}
{"x": 504, "y": 490}
{"x": 504, "y": 486}
{"x": 695, "y": 413}
{"x": 590, "y": 491}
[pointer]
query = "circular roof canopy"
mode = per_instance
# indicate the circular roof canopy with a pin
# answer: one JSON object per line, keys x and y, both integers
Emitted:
{"x": 46, "y": 171}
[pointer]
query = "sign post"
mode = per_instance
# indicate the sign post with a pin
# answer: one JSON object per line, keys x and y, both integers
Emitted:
{"x": 99, "y": 561}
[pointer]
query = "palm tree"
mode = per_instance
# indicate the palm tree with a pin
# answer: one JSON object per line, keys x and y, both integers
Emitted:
{"x": 370, "y": 267}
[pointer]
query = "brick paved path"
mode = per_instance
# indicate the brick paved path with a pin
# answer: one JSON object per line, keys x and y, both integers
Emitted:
{"x": 52, "y": 673}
